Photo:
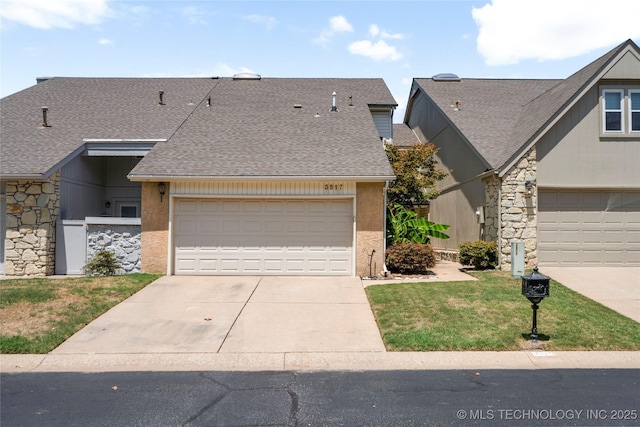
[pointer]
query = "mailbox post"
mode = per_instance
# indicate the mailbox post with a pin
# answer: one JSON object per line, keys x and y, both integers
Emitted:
{"x": 535, "y": 287}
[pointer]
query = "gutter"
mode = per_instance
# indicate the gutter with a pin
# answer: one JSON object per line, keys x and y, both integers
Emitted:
{"x": 183, "y": 178}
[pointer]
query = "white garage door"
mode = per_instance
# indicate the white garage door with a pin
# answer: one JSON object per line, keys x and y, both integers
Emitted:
{"x": 230, "y": 236}
{"x": 589, "y": 228}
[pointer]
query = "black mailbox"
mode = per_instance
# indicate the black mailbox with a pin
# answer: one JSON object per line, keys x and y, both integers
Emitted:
{"x": 535, "y": 286}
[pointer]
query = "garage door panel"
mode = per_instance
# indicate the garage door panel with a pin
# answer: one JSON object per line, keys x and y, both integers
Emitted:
{"x": 264, "y": 236}
{"x": 588, "y": 227}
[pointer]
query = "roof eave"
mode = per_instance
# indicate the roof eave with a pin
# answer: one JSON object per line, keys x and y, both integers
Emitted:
{"x": 591, "y": 82}
{"x": 192, "y": 178}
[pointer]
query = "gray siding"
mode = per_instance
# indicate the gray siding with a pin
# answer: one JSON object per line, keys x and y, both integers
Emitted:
{"x": 573, "y": 154}
{"x": 87, "y": 183}
{"x": 462, "y": 193}
{"x": 458, "y": 209}
{"x": 384, "y": 123}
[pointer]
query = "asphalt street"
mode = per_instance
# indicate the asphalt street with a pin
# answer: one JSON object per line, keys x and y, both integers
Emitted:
{"x": 556, "y": 397}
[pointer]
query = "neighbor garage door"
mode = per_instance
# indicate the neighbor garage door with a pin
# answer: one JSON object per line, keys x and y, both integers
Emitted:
{"x": 230, "y": 236}
{"x": 588, "y": 227}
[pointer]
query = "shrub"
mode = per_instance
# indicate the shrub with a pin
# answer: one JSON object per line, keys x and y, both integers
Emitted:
{"x": 102, "y": 263}
{"x": 404, "y": 226}
{"x": 410, "y": 258}
{"x": 480, "y": 254}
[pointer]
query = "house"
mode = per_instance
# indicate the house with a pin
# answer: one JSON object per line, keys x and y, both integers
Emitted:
{"x": 554, "y": 164}
{"x": 202, "y": 176}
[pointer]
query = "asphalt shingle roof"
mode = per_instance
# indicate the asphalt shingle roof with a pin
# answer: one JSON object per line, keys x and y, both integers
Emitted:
{"x": 403, "y": 135}
{"x": 500, "y": 116}
{"x": 253, "y": 127}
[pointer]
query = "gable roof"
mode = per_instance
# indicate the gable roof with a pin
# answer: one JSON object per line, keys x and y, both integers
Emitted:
{"x": 501, "y": 117}
{"x": 277, "y": 127}
{"x": 251, "y": 129}
{"x": 403, "y": 135}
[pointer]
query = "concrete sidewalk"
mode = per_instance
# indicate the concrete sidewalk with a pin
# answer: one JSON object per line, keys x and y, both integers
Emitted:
{"x": 283, "y": 323}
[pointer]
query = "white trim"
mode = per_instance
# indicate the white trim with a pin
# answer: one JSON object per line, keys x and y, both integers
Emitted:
{"x": 631, "y": 111}
{"x": 556, "y": 118}
{"x": 111, "y": 220}
{"x": 170, "y": 251}
{"x": 211, "y": 178}
{"x": 604, "y": 110}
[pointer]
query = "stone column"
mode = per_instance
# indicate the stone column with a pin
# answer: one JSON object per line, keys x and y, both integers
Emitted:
{"x": 32, "y": 210}
{"x": 518, "y": 209}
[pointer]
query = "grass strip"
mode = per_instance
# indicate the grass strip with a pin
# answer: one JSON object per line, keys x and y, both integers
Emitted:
{"x": 491, "y": 314}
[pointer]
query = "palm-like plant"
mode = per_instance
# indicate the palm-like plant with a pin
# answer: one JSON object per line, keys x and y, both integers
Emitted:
{"x": 405, "y": 226}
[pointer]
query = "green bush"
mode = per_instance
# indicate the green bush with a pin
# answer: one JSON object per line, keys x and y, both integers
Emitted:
{"x": 480, "y": 254}
{"x": 102, "y": 263}
{"x": 410, "y": 258}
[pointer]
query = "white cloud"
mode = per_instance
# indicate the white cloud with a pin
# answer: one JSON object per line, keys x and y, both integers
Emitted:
{"x": 105, "y": 42}
{"x": 268, "y": 21}
{"x": 194, "y": 15}
{"x": 46, "y": 14}
{"x": 378, "y": 51}
{"x": 375, "y": 31}
{"x": 337, "y": 24}
{"x": 513, "y": 30}
{"x": 217, "y": 70}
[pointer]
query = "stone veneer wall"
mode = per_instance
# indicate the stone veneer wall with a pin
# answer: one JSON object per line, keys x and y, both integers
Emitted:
{"x": 122, "y": 240}
{"x": 369, "y": 227}
{"x": 32, "y": 210}
{"x": 518, "y": 211}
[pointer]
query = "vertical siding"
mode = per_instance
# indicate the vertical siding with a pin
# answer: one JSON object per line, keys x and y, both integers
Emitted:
{"x": 384, "y": 123}
{"x": 264, "y": 188}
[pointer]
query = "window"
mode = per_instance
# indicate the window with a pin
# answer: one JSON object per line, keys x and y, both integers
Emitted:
{"x": 634, "y": 110}
{"x": 613, "y": 118}
{"x": 128, "y": 211}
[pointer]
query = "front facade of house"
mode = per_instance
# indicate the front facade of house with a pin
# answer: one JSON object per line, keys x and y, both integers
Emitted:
{"x": 552, "y": 164}
{"x": 243, "y": 175}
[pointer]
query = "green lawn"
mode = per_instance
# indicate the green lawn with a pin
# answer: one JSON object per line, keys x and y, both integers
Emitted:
{"x": 491, "y": 314}
{"x": 37, "y": 315}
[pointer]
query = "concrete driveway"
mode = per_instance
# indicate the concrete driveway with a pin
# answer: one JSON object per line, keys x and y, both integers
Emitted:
{"x": 615, "y": 287}
{"x": 178, "y": 314}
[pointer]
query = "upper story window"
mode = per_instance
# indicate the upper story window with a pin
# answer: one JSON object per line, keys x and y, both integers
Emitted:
{"x": 613, "y": 104}
{"x": 634, "y": 110}
{"x": 620, "y": 111}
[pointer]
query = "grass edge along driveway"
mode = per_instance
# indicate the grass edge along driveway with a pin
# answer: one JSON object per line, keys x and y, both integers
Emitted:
{"x": 39, "y": 314}
{"x": 491, "y": 314}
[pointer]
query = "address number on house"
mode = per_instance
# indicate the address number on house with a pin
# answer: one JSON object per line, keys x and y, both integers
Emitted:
{"x": 333, "y": 188}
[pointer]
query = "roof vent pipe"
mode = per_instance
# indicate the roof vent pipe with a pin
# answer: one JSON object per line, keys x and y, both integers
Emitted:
{"x": 350, "y": 100}
{"x": 333, "y": 107}
{"x": 160, "y": 95}
{"x": 209, "y": 101}
{"x": 45, "y": 123}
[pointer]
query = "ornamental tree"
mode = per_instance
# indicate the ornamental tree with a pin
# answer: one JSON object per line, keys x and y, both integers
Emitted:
{"x": 416, "y": 173}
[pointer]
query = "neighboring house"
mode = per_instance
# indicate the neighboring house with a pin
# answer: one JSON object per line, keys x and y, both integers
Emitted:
{"x": 552, "y": 163}
{"x": 242, "y": 175}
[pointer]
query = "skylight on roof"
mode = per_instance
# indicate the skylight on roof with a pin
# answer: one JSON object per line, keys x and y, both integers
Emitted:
{"x": 446, "y": 77}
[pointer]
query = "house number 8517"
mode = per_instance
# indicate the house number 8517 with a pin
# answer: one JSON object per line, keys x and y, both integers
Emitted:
{"x": 333, "y": 187}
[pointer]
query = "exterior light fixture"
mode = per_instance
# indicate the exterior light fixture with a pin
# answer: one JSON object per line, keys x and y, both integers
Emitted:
{"x": 161, "y": 190}
{"x": 529, "y": 186}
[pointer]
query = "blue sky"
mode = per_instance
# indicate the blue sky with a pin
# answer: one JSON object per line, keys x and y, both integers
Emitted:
{"x": 393, "y": 40}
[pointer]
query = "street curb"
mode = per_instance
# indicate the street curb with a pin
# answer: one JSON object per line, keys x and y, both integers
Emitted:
{"x": 352, "y": 361}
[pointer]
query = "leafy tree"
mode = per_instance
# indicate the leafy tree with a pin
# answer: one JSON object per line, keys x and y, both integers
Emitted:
{"x": 404, "y": 226}
{"x": 416, "y": 173}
